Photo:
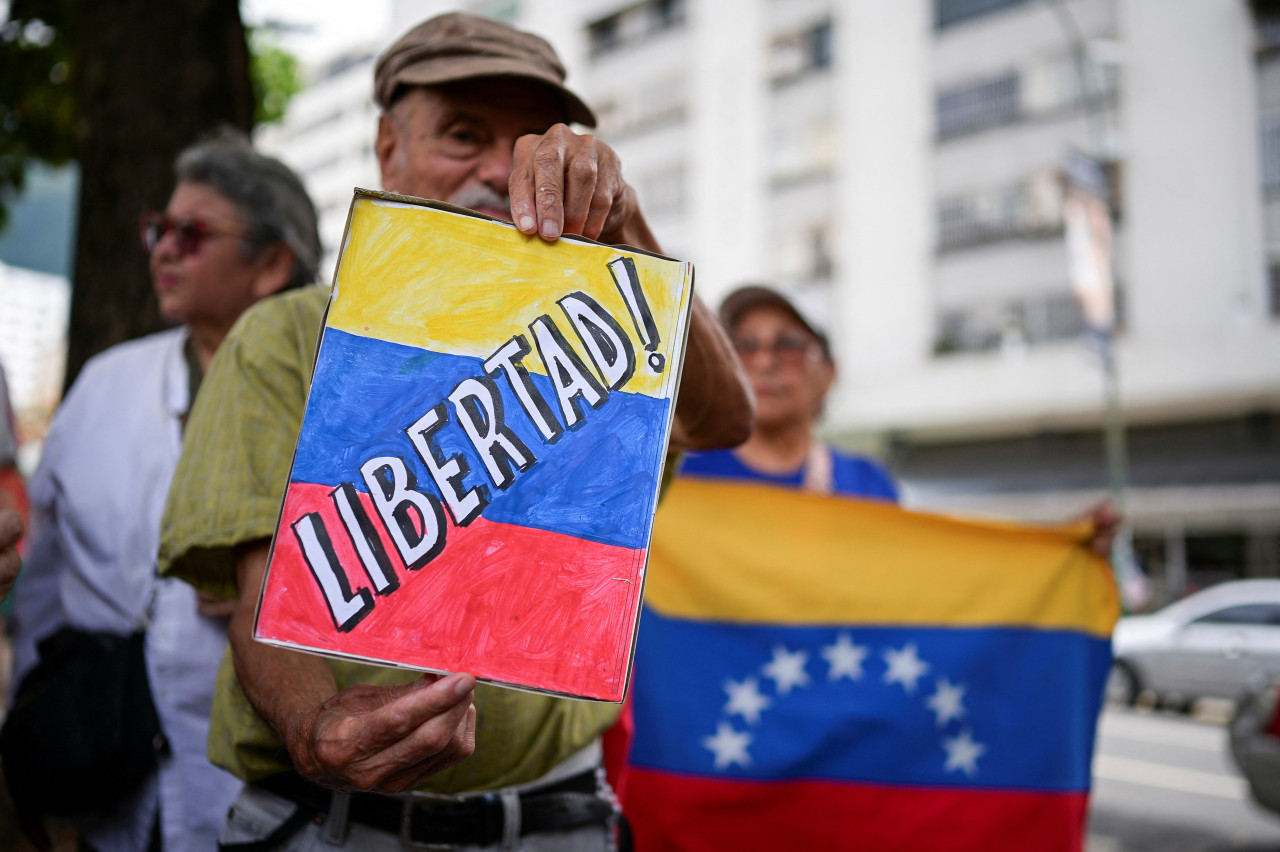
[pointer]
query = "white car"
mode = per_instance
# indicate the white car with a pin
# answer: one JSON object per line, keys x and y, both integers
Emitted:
{"x": 1211, "y": 643}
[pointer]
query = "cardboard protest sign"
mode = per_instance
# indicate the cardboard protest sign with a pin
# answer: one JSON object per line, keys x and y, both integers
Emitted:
{"x": 478, "y": 466}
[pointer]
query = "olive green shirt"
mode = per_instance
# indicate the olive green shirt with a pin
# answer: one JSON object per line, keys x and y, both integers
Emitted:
{"x": 228, "y": 489}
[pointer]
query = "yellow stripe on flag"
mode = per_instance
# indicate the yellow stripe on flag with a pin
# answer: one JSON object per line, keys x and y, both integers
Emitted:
{"x": 393, "y": 285}
{"x": 751, "y": 553}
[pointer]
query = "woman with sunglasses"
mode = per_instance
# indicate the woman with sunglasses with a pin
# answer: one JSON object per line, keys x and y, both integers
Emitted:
{"x": 788, "y": 360}
{"x": 238, "y": 228}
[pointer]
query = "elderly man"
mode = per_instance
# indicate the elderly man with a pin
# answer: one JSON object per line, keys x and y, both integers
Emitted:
{"x": 475, "y": 113}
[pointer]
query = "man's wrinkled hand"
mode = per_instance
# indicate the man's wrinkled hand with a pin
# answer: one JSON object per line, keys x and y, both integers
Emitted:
{"x": 564, "y": 182}
{"x": 387, "y": 738}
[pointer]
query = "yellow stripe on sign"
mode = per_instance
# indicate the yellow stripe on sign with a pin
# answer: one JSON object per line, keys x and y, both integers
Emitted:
{"x": 453, "y": 283}
{"x": 751, "y": 553}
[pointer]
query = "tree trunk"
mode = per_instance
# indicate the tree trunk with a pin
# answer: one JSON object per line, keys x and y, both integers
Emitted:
{"x": 152, "y": 77}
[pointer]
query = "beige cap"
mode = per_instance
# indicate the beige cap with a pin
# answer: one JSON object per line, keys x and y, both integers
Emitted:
{"x": 458, "y": 46}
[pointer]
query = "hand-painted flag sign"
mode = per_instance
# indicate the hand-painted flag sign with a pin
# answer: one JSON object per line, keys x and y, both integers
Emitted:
{"x": 474, "y": 484}
{"x": 829, "y": 673}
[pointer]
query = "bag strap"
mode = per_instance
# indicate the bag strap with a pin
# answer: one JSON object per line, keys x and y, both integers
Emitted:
{"x": 819, "y": 469}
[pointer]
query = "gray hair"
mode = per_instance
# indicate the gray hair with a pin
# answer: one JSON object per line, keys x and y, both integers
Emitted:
{"x": 270, "y": 198}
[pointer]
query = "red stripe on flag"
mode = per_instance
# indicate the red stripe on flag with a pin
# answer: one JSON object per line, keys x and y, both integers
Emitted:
{"x": 679, "y": 813}
{"x": 502, "y": 602}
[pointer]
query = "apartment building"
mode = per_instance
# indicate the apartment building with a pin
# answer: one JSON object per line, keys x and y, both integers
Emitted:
{"x": 327, "y": 138}
{"x": 900, "y": 164}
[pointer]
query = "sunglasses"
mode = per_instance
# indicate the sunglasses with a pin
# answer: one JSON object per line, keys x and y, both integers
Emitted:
{"x": 188, "y": 234}
{"x": 788, "y": 349}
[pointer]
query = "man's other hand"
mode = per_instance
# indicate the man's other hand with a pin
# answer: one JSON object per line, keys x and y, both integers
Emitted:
{"x": 387, "y": 738}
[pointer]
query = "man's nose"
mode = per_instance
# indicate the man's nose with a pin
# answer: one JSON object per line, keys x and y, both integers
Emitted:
{"x": 495, "y": 164}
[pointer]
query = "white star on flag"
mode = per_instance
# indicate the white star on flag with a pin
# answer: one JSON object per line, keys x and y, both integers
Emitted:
{"x": 905, "y": 667}
{"x": 947, "y": 702}
{"x": 845, "y": 658}
{"x": 963, "y": 753}
{"x": 787, "y": 669}
{"x": 745, "y": 699}
{"x": 729, "y": 746}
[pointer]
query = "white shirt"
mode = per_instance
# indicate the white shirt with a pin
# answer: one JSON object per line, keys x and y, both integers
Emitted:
{"x": 8, "y": 440}
{"x": 97, "y": 499}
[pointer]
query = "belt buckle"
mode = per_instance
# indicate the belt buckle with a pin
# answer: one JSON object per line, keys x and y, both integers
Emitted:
{"x": 406, "y": 820}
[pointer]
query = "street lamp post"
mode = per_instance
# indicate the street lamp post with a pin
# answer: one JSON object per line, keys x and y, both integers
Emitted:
{"x": 1087, "y": 211}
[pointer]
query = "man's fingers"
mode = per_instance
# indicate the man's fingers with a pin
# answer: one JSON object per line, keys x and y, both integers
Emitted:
{"x": 581, "y": 186}
{"x": 520, "y": 186}
{"x": 370, "y": 719}
{"x": 548, "y": 179}
{"x": 377, "y": 732}
{"x": 443, "y": 708}
{"x": 564, "y": 183}
{"x": 424, "y": 699}
{"x": 460, "y": 745}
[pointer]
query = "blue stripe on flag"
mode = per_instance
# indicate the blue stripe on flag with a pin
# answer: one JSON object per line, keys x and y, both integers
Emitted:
{"x": 978, "y": 713}
{"x": 596, "y": 482}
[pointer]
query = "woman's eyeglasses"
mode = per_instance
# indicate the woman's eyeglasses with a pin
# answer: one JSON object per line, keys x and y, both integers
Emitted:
{"x": 788, "y": 349}
{"x": 188, "y": 234}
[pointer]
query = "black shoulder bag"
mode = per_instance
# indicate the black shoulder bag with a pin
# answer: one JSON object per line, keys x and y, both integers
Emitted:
{"x": 83, "y": 731}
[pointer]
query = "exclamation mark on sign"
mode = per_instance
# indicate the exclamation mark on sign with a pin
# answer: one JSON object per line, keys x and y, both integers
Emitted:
{"x": 623, "y": 270}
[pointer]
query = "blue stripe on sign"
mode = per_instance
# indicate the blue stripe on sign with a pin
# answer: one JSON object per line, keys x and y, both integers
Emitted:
{"x": 596, "y": 482}
{"x": 976, "y": 716}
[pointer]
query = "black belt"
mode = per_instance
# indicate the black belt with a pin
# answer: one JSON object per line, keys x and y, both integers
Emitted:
{"x": 440, "y": 821}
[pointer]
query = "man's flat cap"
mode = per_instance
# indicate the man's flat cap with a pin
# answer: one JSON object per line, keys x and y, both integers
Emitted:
{"x": 458, "y": 46}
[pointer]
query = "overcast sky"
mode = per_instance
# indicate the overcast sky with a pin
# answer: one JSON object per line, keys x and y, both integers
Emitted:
{"x": 324, "y": 27}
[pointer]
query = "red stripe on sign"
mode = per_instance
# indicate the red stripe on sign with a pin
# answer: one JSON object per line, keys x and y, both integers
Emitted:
{"x": 689, "y": 814}
{"x": 502, "y": 602}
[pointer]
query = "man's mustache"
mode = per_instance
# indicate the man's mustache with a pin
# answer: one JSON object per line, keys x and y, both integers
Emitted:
{"x": 482, "y": 196}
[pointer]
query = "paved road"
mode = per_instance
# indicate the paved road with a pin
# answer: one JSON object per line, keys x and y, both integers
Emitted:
{"x": 1166, "y": 783}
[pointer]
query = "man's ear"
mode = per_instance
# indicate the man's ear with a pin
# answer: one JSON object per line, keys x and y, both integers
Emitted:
{"x": 275, "y": 266}
{"x": 387, "y": 148}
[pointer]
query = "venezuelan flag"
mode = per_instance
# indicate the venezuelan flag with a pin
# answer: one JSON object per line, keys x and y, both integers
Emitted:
{"x": 541, "y": 537}
{"x": 829, "y": 673}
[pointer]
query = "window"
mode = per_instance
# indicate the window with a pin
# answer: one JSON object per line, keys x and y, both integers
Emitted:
{"x": 1270, "y": 122}
{"x": 633, "y": 24}
{"x": 796, "y": 54}
{"x": 976, "y": 106}
{"x": 1273, "y": 290}
{"x": 1009, "y": 325}
{"x": 662, "y": 191}
{"x": 1031, "y": 207}
{"x": 503, "y": 10}
{"x": 1260, "y": 613}
{"x": 643, "y": 107}
{"x": 1266, "y": 32}
{"x": 820, "y": 47}
{"x": 802, "y": 150}
{"x": 1042, "y": 85}
{"x": 948, "y": 12}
